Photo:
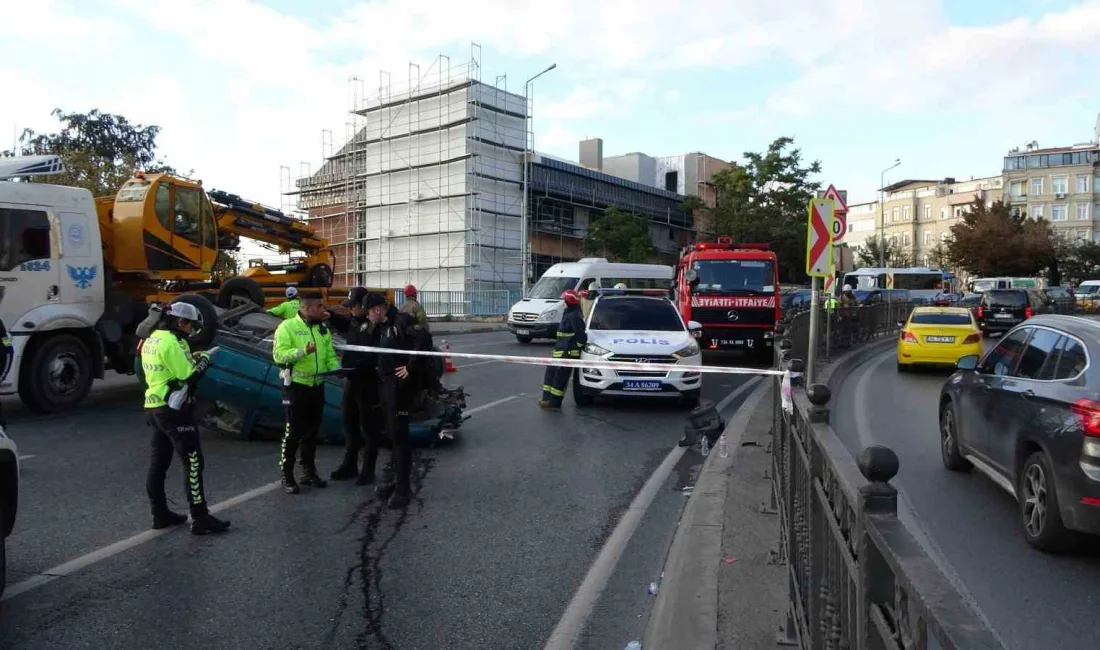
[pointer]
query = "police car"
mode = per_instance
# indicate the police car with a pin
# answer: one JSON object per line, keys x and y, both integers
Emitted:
{"x": 638, "y": 326}
{"x": 9, "y": 496}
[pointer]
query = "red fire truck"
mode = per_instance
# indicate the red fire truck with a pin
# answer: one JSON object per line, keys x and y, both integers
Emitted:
{"x": 732, "y": 290}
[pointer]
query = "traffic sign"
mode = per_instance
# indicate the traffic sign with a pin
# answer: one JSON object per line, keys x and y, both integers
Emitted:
{"x": 840, "y": 213}
{"x": 819, "y": 243}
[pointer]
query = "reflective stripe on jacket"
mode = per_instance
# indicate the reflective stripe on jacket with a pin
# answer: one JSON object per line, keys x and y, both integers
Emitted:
{"x": 572, "y": 334}
{"x": 289, "y": 349}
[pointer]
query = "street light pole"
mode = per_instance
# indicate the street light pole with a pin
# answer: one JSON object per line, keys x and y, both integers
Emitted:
{"x": 528, "y": 147}
{"x": 882, "y": 206}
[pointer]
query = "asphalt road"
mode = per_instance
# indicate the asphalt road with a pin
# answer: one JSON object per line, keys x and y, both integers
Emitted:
{"x": 502, "y": 531}
{"x": 970, "y": 525}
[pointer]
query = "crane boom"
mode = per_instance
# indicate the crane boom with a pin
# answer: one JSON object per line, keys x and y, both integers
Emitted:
{"x": 239, "y": 217}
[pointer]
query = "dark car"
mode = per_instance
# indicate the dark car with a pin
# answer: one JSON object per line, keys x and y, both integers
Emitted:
{"x": 1027, "y": 414}
{"x": 1002, "y": 309}
{"x": 792, "y": 302}
{"x": 1061, "y": 300}
{"x": 878, "y": 296}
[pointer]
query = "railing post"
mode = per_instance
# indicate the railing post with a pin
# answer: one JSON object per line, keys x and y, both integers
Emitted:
{"x": 819, "y": 395}
{"x": 878, "y": 464}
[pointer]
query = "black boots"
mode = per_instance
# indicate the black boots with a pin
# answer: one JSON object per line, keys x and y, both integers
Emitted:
{"x": 349, "y": 468}
{"x": 165, "y": 518}
{"x": 204, "y": 523}
{"x": 290, "y": 486}
{"x": 312, "y": 479}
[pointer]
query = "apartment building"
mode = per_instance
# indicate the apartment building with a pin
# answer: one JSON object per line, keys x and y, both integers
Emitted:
{"x": 862, "y": 223}
{"x": 918, "y": 214}
{"x": 1059, "y": 184}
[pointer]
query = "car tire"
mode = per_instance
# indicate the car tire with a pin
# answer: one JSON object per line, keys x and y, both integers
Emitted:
{"x": 690, "y": 398}
{"x": 3, "y": 555}
{"x": 902, "y": 368}
{"x": 236, "y": 288}
{"x": 37, "y": 390}
{"x": 581, "y": 397}
{"x": 524, "y": 339}
{"x": 949, "y": 440}
{"x": 1036, "y": 487}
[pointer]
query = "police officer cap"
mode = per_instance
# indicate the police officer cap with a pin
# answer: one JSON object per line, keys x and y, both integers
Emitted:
{"x": 355, "y": 297}
{"x": 184, "y": 311}
{"x": 374, "y": 300}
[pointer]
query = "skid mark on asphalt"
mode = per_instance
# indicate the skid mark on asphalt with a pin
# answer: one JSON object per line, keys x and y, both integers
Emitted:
{"x": 907, "y": 514}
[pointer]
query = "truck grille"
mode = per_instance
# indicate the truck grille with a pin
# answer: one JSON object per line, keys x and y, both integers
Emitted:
{"x": 721, "y": 316}
{"x": 524, "y": 317}
{"x": 638, "y": 358}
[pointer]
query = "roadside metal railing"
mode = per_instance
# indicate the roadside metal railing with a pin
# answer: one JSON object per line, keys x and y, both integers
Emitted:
{"x": 845, "y": 328}
{"x": 857, "y": 578}
{"x": 471, "y": 303}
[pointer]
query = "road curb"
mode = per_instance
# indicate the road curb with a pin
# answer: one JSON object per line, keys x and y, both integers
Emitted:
{"x": 685, "y": 615}
{"x": 473, "y": 330}
{"x": 837, "y": 371}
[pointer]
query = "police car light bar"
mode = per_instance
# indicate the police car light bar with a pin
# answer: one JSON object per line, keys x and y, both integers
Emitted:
{"x": 23, "y": 166}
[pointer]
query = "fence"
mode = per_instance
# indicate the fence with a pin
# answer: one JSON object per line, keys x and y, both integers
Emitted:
{"x": 857, "y": 578}
{"x": 844, "y": 328}
{"x": 475, "y": 303}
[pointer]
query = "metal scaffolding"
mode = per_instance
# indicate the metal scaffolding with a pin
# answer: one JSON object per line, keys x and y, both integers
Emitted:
{"x": 426, "y": 187}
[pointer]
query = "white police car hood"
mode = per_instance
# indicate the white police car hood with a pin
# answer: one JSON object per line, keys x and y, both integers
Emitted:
{"x": 642, "y": 343}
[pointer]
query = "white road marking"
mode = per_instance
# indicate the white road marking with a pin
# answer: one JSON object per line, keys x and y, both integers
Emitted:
{"x": 84, "y": 561}
{"x": 479, "y": 363}
{"x": 573, "y": 620}
{"x": 907, "y": 514}
{"x": 27, "y": 457}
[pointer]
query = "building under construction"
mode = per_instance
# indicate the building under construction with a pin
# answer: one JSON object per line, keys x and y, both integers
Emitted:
{"x": 428, "y": 187}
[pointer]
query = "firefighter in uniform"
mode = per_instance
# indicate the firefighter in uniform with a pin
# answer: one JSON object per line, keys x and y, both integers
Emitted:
{"x": 360, "y": 400}
{"x": 415, "y": 311}
{"x": 413, "y": 308}
{"x": 171, "y": 372}
{"x": 303, "y": 347}
{"x": 289, "y": 308}
{"x": 571, "y": 340}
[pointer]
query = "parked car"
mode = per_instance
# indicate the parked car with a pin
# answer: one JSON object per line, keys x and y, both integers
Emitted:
{"x": 794, "y": 301}
{"x": 1002, "y": 309}
{"x": 1027, "y": 415}
{"x": 1061, "y": 299}
{"x": 877, "y": 296}
{"x": 9, "y": 497}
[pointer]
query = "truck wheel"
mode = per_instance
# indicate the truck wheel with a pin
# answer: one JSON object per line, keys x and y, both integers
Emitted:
{"x": 320, "y": 276}
{"x": 235, "y": 290}
{"x": 3, "y": 555}
{"x": 202, "y": 337}
{"x": 58, "y": 375}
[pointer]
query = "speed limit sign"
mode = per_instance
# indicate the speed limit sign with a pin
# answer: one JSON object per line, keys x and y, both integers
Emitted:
{"x": 840, "y": 213}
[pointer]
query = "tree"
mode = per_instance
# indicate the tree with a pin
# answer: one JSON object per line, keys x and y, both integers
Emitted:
{"x": 225, "y": 266}
{"x": 869, "y": 254}
{"x": 938, "y": 257}
{"x": 765, "y": 200}
{"x": 1077, "y": 261}
{"x": 998, "y": 241}
{"x": 101, "y": 151}
{"x": 619, "y": 236}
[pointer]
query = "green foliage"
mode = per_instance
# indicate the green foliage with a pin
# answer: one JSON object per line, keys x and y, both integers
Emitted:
{"x": 998, "y": 241}
{"x": 870, "y": 254}
{"x": 101, "y": 151}
{"x": 619, "y": 236}
{"x": 765, "y": 200}
{"x": 1077, "y": 261}
{"x": 225, "y": 266}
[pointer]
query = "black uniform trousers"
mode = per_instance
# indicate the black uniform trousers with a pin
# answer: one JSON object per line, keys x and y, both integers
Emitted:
{"x": 556, "y": 379}
{"x": 394, "y": 399}
{"x": 305, "y": 406}
{"x": 175, "y": 432}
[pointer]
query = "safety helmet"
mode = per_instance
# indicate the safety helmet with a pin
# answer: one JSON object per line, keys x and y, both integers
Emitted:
{"x": 621, "y": 285}
{"x": 291, "y": 292}
{"x": 183, "y": 311}
{"x": 410, "y": 291}
{"x": 847, "y": 287}
{"x": 570, "y": 297}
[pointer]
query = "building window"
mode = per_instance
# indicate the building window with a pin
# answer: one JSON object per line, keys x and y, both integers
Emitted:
{"x": 1036, "y": 212}
{"x": 1059, "y": 184}
{"x": 958, "y": 211}
{"x": 1082, "y": 211}
{"x": 671, "y": 181}
{"x": 905, "y": 239}
{"x": 1036, "y": 186}
{"x": 1017, "y": 189}
{"x": 1096, "y": 211}
{"x": 905, "y": 213}
{"x": 1082, "y": 235}
{"x": 1096, "y": 237}
{"x": 1084, "y": 184}
{"x": 1058, "y": 212}
{"x": 943, "y": 236}
{"x": 927, "y": 237}
{"x": 851, "y": 227}
{"x": 894, "y": 214}
{"x": 927, "y": 212}
{"x": 943, "y": 213}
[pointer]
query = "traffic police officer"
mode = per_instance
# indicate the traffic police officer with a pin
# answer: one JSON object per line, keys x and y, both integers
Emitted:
{"x": 303, "y": 346}
{"x": 171, "y": 372}
{"x": 572, "y": 338}
{"x": 289, "y": 308}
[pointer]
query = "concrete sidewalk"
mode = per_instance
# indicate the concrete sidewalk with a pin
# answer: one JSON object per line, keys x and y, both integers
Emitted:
{"x": 453, "y": 328}
{"x": 719, "y": 587}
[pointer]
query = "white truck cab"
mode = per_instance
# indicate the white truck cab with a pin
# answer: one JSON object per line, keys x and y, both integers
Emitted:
{"x": 51, "y": 285}
{"x": 537, "y": 315}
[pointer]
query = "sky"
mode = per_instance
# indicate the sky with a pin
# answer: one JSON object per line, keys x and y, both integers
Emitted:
{"x": 242, "y": 88}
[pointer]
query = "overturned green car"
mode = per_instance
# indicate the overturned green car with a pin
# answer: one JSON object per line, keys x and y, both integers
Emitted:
{"x": 241, "y": 394}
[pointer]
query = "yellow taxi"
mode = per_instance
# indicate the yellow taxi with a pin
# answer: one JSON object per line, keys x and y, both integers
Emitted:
{"x": 937, "y": 336}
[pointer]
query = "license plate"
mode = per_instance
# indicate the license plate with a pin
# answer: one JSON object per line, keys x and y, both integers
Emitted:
{"x": 940, "y": 339}
{"x": 731, "y": 343}
{"x": 641, "y": 384}
{"x": 523, "y": 332}
{"x": 1002, "y": 316}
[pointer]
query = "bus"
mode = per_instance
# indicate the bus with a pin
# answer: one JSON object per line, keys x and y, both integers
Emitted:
{"x": 979, "y": 285}
{"x": 921, "y": 283}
